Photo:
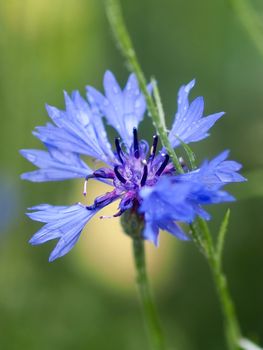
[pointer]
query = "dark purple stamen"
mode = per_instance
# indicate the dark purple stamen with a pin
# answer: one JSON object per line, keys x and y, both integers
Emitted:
{"x": 136, "y": 144}
{"x": 119, "y": 213}
{"x": 118, "y": 148}
{"x": 153, "y": 148}
{"x": 144, "y": 176}
{"x": 104, "y": 173}
{"x": 118, "y": 174}
{"x": 103, "y": 200}
{"x": 163, "y": 165}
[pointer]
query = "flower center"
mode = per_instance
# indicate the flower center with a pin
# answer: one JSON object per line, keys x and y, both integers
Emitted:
{"x": 134, "y": 169}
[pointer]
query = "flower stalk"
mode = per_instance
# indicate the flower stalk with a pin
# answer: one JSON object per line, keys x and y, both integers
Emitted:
{"x": 148, "y": 306}
{"x": 232, "y": 329}
{"x": 133, "y": 225}
{"x": 213, "y": 255}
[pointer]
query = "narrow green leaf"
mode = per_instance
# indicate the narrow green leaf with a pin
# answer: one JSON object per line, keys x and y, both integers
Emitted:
{"x": 190, "y": 154}
{"x": 205, "y": 236}
{"x": 221, "y": 235}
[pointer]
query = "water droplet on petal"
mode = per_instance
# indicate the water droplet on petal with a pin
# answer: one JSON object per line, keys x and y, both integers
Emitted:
{"x": 31, "y": 158}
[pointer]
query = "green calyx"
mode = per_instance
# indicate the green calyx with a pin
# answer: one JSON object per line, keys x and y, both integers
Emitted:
{"x": 132, "y": 223}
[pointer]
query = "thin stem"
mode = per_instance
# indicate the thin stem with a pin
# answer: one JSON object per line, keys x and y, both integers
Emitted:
{"x": 125, "y": 45}
{"x": 232, "y": 329}
{"x": 149, "y": 310}
{"x": 231, "y": 324}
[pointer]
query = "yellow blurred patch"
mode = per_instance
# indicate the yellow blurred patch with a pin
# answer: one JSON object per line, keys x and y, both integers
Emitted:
{"x": 105, "y": 252}
{"x": 33, "y": 17}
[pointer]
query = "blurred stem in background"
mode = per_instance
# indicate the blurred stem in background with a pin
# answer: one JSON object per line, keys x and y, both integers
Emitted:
{"x": 251, "y": 20}
{"x": 200, "y": 231}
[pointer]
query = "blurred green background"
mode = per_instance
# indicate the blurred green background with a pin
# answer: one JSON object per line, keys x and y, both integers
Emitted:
{"x": 87, "y": 300}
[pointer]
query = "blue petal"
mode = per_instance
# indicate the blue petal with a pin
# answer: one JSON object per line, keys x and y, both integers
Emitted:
{"x": 123, "y": 109}
{"x": 95, "y": 125}
{"x": 189, "y": 124}
{"x": 163, "y": 205}
{"x": 173, "y": 228}
{"x": 208, "y": 180}
{"x": 79, "y": 129}
{"x": 167, "y": 199}
{"x": 179, "y": 198}
{"x": 54, "y": 165}
{"x": 217, "y": 171}
{"x": 151, "y": 231}
{"x": 63, "y": 223}
{"x": 202, "y": 194}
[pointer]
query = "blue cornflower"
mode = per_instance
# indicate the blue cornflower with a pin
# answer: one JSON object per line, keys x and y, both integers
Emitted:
{"x": 142, "y": 179}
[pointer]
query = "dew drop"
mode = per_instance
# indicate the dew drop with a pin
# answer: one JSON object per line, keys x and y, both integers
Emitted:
{"x": 31, "y": 158}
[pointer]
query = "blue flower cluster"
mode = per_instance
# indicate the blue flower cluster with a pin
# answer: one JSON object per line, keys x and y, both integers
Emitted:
{"x": 141, "y": 178}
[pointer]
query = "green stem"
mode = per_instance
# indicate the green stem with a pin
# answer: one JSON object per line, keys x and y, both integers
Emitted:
{"x": 124, "y": 43}
{"x": 149, "y": 310}
{"x": 231, "y": 324}
{"x": 232, "y": 329}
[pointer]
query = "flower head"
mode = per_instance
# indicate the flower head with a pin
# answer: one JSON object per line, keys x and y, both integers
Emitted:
{"x": 141, "y": 178}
